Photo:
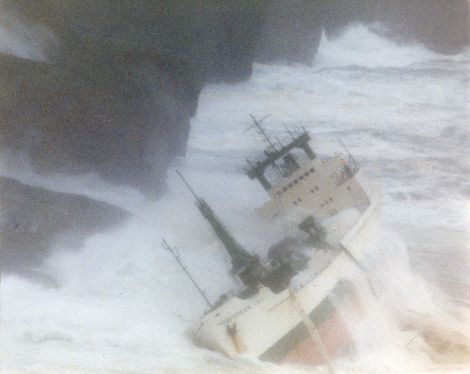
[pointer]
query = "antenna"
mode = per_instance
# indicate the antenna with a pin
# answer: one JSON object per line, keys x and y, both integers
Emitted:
{"x": 188, "y": 185}
{"x": 260, "y": 130}
{"x": 242, "y": 260}
{"x": 176, "y": 256}
{"x": 349, "y": 154}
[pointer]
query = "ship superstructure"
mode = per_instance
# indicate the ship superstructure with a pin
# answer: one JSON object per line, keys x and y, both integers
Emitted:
{"x": 319, "y": 187}
{"x": 273, "y": 317}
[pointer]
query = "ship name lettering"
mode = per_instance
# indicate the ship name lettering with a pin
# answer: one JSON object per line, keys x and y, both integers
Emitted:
{"x": 235, "y": 315}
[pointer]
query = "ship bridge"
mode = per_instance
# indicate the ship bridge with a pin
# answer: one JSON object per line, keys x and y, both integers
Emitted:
{"x": 302, "y": 183}
{"x": 279, "y": 156}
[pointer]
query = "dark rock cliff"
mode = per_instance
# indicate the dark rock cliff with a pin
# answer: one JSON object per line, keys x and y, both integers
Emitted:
{"x": 34, "y": 219}
{"x": 292, "y": 29}
{"x": 291, "y": 32}
{"x": 124, "y": 78}
{"x": 442, "y": 26}
{"x": 122, "y": 82}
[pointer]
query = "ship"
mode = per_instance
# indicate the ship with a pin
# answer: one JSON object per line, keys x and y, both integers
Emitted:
{"x": 293, "y": 303}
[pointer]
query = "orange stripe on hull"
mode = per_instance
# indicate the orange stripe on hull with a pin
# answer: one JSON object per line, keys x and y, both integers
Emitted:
{"x": 336, "y": 339}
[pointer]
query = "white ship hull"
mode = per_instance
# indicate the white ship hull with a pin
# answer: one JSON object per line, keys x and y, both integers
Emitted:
{"x": 298, "y": 317}
{"x": 273, "y": 327}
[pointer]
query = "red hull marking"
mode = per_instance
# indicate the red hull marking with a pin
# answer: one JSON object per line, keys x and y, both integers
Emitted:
{"x": 335, "y": 336}
{"x": 334, "y": 333}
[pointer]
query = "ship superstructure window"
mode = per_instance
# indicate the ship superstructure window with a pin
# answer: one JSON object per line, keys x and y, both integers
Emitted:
{"x": 289, "y": 164}
{"x": 280, "y": 160}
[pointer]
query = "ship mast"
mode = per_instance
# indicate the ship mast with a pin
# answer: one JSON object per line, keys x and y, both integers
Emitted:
{"x": 178, "y": 259}
{"x": 261, "y": 131}
{"x": 244, "y": 264}
{"x": 272, "y": 154}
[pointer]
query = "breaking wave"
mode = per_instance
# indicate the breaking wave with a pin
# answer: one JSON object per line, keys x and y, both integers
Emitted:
{"x": 362, "y": 46}
{"x": 123, "y": 304}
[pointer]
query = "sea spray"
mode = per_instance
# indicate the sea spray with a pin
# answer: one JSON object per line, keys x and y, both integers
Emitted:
{"x": 30, "y": 41}
{"x": 123, "y": 304}
{"x": 403, "y": 324}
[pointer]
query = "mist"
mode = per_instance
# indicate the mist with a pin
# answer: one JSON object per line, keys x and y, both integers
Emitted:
{"x": 90, "y": 144}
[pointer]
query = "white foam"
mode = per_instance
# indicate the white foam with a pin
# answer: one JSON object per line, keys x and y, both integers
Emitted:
{"x": 31, "y": 41}
{"x": 124, "y": 303}
{"x": 361, "y": 46}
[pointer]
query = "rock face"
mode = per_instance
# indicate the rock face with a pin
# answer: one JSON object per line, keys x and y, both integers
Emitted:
{"x": 124, "y": 77}
{"x": 291, "y": 32}
{"x": 442, "y": 26}
{"x": 291, "y": 29}
{"x": 33, "y": 219}
{"x": 125, "y": 119}
{"x": 122, "y": 81}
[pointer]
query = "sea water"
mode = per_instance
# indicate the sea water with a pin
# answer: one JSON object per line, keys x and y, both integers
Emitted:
{"x": 123, "y": 304}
